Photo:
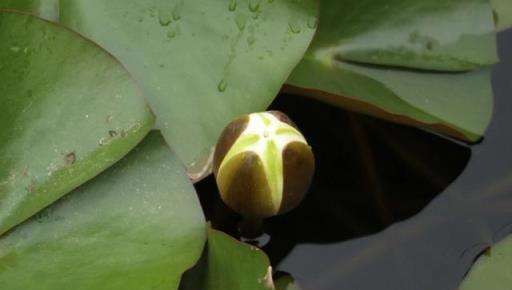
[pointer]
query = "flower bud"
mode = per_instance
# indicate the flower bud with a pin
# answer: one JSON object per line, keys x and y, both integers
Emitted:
{"x": 263, "y": 165}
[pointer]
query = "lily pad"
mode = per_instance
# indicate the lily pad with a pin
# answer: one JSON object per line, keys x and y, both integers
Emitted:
{"x": 492, "y": 271}
{"x": 457, "y": 104}
{"x": 69, "y": 110}
{"x": 442, "y": 35}
{"x": 138, "y": 225}
{"x": 502, "y": 12}
{"x": 48, "y": 9}
{"x": 201, "y": 63}
{"x": 229, "y": 264}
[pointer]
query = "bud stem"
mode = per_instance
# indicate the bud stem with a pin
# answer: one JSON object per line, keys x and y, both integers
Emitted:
{"x": 250, "y": 227}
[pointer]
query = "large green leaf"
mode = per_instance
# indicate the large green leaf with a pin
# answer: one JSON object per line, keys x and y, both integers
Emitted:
{"x": 458, "y": 104}
{"x": 69, "y": 111}
{"x": 502, "y": 10}
{"x": 229, "y": 264}
{"x": 200, "y": 62}
{"x": 138, "y": 225}
{"x": 48, "y": 9}
{"x": 436, "y": 34}
{"x": 493, "y": 270}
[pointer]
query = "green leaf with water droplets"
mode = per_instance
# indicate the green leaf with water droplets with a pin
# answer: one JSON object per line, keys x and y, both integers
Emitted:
{"x": 138, "y": 225}
{"x": 502, "y": 12}
{"x": 229, "y": 264}
{"x": 69, "y": 111}
{"x": 352, "y": 62}
{"x": 48, "y": 9}
{"x": 492, "y": 270}
{"x": 454, "y": 35}
{"x": 225, "y": 58}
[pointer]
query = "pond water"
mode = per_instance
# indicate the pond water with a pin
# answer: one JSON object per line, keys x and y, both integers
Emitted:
{"x": 390, "y": 207}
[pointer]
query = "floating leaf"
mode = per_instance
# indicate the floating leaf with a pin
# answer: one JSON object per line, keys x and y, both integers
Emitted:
{"x": 457, "y": 104}
{"x": 201, "y": 63}
{"x": 502, "y": 12}
{"x": 436, "y": 35}
{"x": 230, "y": 264}
{"x": 48, "y": 9}
{"x": 69, "y": 111}
{"x": 492, "y": 271}
{"x": 139, "y": 225}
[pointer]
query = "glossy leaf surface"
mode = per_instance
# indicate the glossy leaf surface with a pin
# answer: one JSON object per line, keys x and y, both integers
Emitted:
{"x": 492, "y": 271}
{"x": 203, "y": 62}
{"x": 137, "y": 226}
{"x": 457, "y": 104}
{"x": 442, "y": 35}
{"x": 48, "y": 9}
{"x": 69, "y": 111}
{"x": 229, "y": 264}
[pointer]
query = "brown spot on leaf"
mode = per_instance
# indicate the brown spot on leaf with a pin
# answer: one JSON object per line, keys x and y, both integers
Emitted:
{"x": 70, "y": 158}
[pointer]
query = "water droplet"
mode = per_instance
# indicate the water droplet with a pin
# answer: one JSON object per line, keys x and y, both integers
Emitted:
{"x": 294, "y": 26}
{"x": 251, "y": 40}
{"x": 232, "y": 5}
{"x": 312, "y": 22}
{"x": 15, "y": 48}
{"x": 254, "y": 6}
{"x": 223, "y": 85}
{"x": 270, "y": 1}
{"x": 164, "y": 17}
{"x": 240, "y": 21}
{"x": 176, "y": 15}
{"x": 171, "y": 33}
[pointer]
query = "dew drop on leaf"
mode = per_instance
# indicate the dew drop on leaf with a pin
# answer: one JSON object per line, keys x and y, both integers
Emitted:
{"x": 223, "y": 85}
{"x": 312, "y": 22}
{"x": 240, "y": 22}
{"x": 176, "y": 15}
{"x": 254, "y": 6}
{"x": 232, "y": 5}
{"x": 294, "y": 26}
{"x": 164, "y": 17}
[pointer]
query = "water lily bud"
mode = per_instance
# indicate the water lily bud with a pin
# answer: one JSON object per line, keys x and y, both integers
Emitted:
{"x": 263, "y": 165}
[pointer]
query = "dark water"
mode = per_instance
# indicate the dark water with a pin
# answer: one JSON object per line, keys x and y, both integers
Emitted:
{"x": 391, "y": 207}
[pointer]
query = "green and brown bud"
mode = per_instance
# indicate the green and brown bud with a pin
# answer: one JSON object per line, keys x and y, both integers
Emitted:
{"x": 263, "y": 165}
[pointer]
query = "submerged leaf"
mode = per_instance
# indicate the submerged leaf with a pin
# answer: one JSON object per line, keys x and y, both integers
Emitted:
{"x": 69, "y": 111}
{"x": 492, "y": 271}
{"x": 137, "y": 226}
{"x": 201, "y": 63}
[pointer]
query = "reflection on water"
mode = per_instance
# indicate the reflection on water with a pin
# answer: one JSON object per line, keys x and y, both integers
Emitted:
{"x": 371, "y": 175}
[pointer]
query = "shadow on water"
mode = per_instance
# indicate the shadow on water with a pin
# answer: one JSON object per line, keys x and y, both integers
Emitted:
{"x": 375, "y": 218}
